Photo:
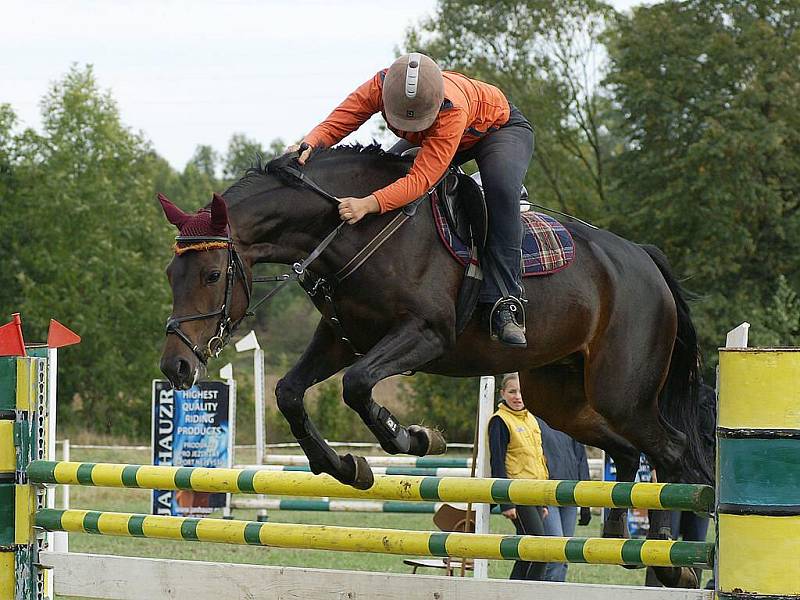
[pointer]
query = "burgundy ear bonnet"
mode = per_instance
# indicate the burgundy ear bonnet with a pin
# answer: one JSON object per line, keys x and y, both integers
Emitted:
{"x": 211, "y": 221}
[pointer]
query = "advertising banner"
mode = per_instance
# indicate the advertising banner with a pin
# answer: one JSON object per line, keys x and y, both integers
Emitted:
{"x": 191, "y": 428}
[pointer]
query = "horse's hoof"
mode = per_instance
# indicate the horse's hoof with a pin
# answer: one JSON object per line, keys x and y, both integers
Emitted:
{"x": 677, "y": 577}
{"x": 616, "y": 529}
{"x": 362, "y": 478}
{"x": 433, "y": 441}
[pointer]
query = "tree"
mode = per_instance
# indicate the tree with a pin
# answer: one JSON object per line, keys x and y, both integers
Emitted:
{"x": 86, "y": 244}
{"x": 711, "y": 165}
{"x": 244, "y": 152}
{"x": 448, "y": 403}
{"x": 8, "y": 184}
{"x": 779, "y": 323}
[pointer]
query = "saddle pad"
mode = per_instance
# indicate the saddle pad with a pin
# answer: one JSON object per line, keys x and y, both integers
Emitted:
{"x": 547, "y": 246}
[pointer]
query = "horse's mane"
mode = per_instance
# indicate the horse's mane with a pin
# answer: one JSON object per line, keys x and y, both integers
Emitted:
{"x": 257, "y": 178}
{"x": 277, "y": 166}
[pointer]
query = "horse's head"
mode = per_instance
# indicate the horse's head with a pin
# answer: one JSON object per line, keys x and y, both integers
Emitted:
{"x": 210, "y": 290}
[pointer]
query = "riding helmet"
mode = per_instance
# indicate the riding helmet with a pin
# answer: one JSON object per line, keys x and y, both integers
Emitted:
{"x": 413, "y": 91}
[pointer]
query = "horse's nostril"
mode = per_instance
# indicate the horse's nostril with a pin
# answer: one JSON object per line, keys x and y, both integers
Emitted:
{"x": 182, "y": 369}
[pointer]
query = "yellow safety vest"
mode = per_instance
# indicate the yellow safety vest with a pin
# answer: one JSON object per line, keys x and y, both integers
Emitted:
{"x": 525, "y": 457}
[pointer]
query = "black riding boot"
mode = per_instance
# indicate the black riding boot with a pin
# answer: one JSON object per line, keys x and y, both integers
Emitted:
{"x": 507, "y": 323}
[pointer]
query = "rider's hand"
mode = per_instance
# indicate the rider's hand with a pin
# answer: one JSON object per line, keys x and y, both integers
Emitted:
{"x": 353, "y": 210}
{"x": 511, "y": 513}
{"x": 303, "y": 155}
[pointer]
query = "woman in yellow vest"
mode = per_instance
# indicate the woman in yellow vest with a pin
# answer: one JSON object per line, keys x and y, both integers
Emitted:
{"x": 515, "y": 442}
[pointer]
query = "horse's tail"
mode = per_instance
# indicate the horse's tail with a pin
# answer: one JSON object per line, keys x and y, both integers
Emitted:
{"x": 679, "y": 403}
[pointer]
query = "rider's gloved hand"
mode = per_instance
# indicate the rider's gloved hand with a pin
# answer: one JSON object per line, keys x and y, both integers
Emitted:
{"x": 304, "y": 150}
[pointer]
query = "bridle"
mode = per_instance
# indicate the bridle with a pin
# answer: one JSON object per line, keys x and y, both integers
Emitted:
{"x": 226, "y": 326}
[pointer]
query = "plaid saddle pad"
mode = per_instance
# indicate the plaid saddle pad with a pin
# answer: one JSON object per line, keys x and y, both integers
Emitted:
{"x": 547, "y": 246}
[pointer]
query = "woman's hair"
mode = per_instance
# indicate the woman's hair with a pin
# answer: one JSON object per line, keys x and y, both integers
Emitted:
{"x": 508, "y": 377}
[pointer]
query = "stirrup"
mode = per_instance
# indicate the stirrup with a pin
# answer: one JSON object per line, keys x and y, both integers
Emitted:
{"x": 517, "y": 308}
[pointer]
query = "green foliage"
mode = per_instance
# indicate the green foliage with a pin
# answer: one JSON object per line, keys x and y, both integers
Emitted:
{"x": 711, "y": 164}
{"x": 83, "y": 243}
{"x": 333, "y": 417}
{"x": 86, "y": 243}
{"x": 244, "y": 152}
{"x": 447, "y": 403}
{"x": 779, "y": 323}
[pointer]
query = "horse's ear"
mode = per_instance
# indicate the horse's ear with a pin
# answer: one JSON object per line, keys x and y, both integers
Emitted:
{"x": 174, "y": 214}
{"x": 219, "y": 215}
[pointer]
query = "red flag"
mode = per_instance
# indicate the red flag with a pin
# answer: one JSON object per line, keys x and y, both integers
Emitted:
{"x": 59, "y": 336}
{"x": 11, "y": 341}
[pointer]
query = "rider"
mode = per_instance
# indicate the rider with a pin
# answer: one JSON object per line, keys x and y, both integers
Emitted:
{"x": 454, "y": 119}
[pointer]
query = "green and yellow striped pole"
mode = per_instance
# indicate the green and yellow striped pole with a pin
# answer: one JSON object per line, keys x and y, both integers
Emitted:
{"x": 658, "y": 496}
{"x": 384, "y": 541}
{"x": 758, "y": 474}
{"x": 8, "y": 468}
{"x": 22, "y": 427}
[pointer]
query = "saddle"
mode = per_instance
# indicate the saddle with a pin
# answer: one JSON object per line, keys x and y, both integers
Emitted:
{"x": 458, "y": 199}
{"x": 461, "y": 218}
{"x": 460, "y": 215}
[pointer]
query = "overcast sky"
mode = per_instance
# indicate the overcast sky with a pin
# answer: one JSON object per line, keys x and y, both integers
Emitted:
{"x": 189, "y": 73}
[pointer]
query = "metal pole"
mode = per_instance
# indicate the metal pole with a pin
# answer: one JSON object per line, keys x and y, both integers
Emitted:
{"x": 50, "y": 445}
{"x": 482, "y": 469}
{"x": 258, "y": 369}
{"x": 61, "y": 538}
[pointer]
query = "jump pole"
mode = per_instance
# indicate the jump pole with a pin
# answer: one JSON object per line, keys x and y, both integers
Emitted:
{"x": 383, "y": 541}
{"x": 603, "y": 494}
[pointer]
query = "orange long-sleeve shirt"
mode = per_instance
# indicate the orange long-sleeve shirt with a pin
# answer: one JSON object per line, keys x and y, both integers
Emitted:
{"x": 470, "y": 110}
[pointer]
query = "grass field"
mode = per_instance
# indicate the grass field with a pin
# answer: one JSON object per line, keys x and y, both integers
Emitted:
{"x": 132, "y": 500}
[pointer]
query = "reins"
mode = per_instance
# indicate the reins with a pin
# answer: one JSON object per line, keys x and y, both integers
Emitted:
{"x": 226, "y": 326}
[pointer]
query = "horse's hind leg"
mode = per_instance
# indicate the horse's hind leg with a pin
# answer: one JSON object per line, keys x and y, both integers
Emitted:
{"x": 624, "y": 388}
{"x": 323, "y": 357}
{"x": 408, "y": 346}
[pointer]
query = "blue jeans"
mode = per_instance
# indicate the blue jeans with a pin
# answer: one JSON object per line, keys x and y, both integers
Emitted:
{"x": 560, "y": 521}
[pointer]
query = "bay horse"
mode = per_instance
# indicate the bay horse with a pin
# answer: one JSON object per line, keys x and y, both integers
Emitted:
{"x": 612, "y": 356}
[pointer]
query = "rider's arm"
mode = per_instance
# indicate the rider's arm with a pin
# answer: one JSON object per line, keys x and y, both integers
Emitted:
{"x": 359, "y": 106}
{"x": 436, "y": 153}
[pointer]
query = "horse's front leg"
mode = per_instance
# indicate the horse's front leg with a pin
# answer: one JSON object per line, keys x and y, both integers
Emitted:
{"x": 323, "y": 357}
{"x": 408, "y": 346}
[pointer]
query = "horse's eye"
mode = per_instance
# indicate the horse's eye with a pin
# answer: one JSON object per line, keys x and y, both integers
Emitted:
{"x": 213, "y": 277}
